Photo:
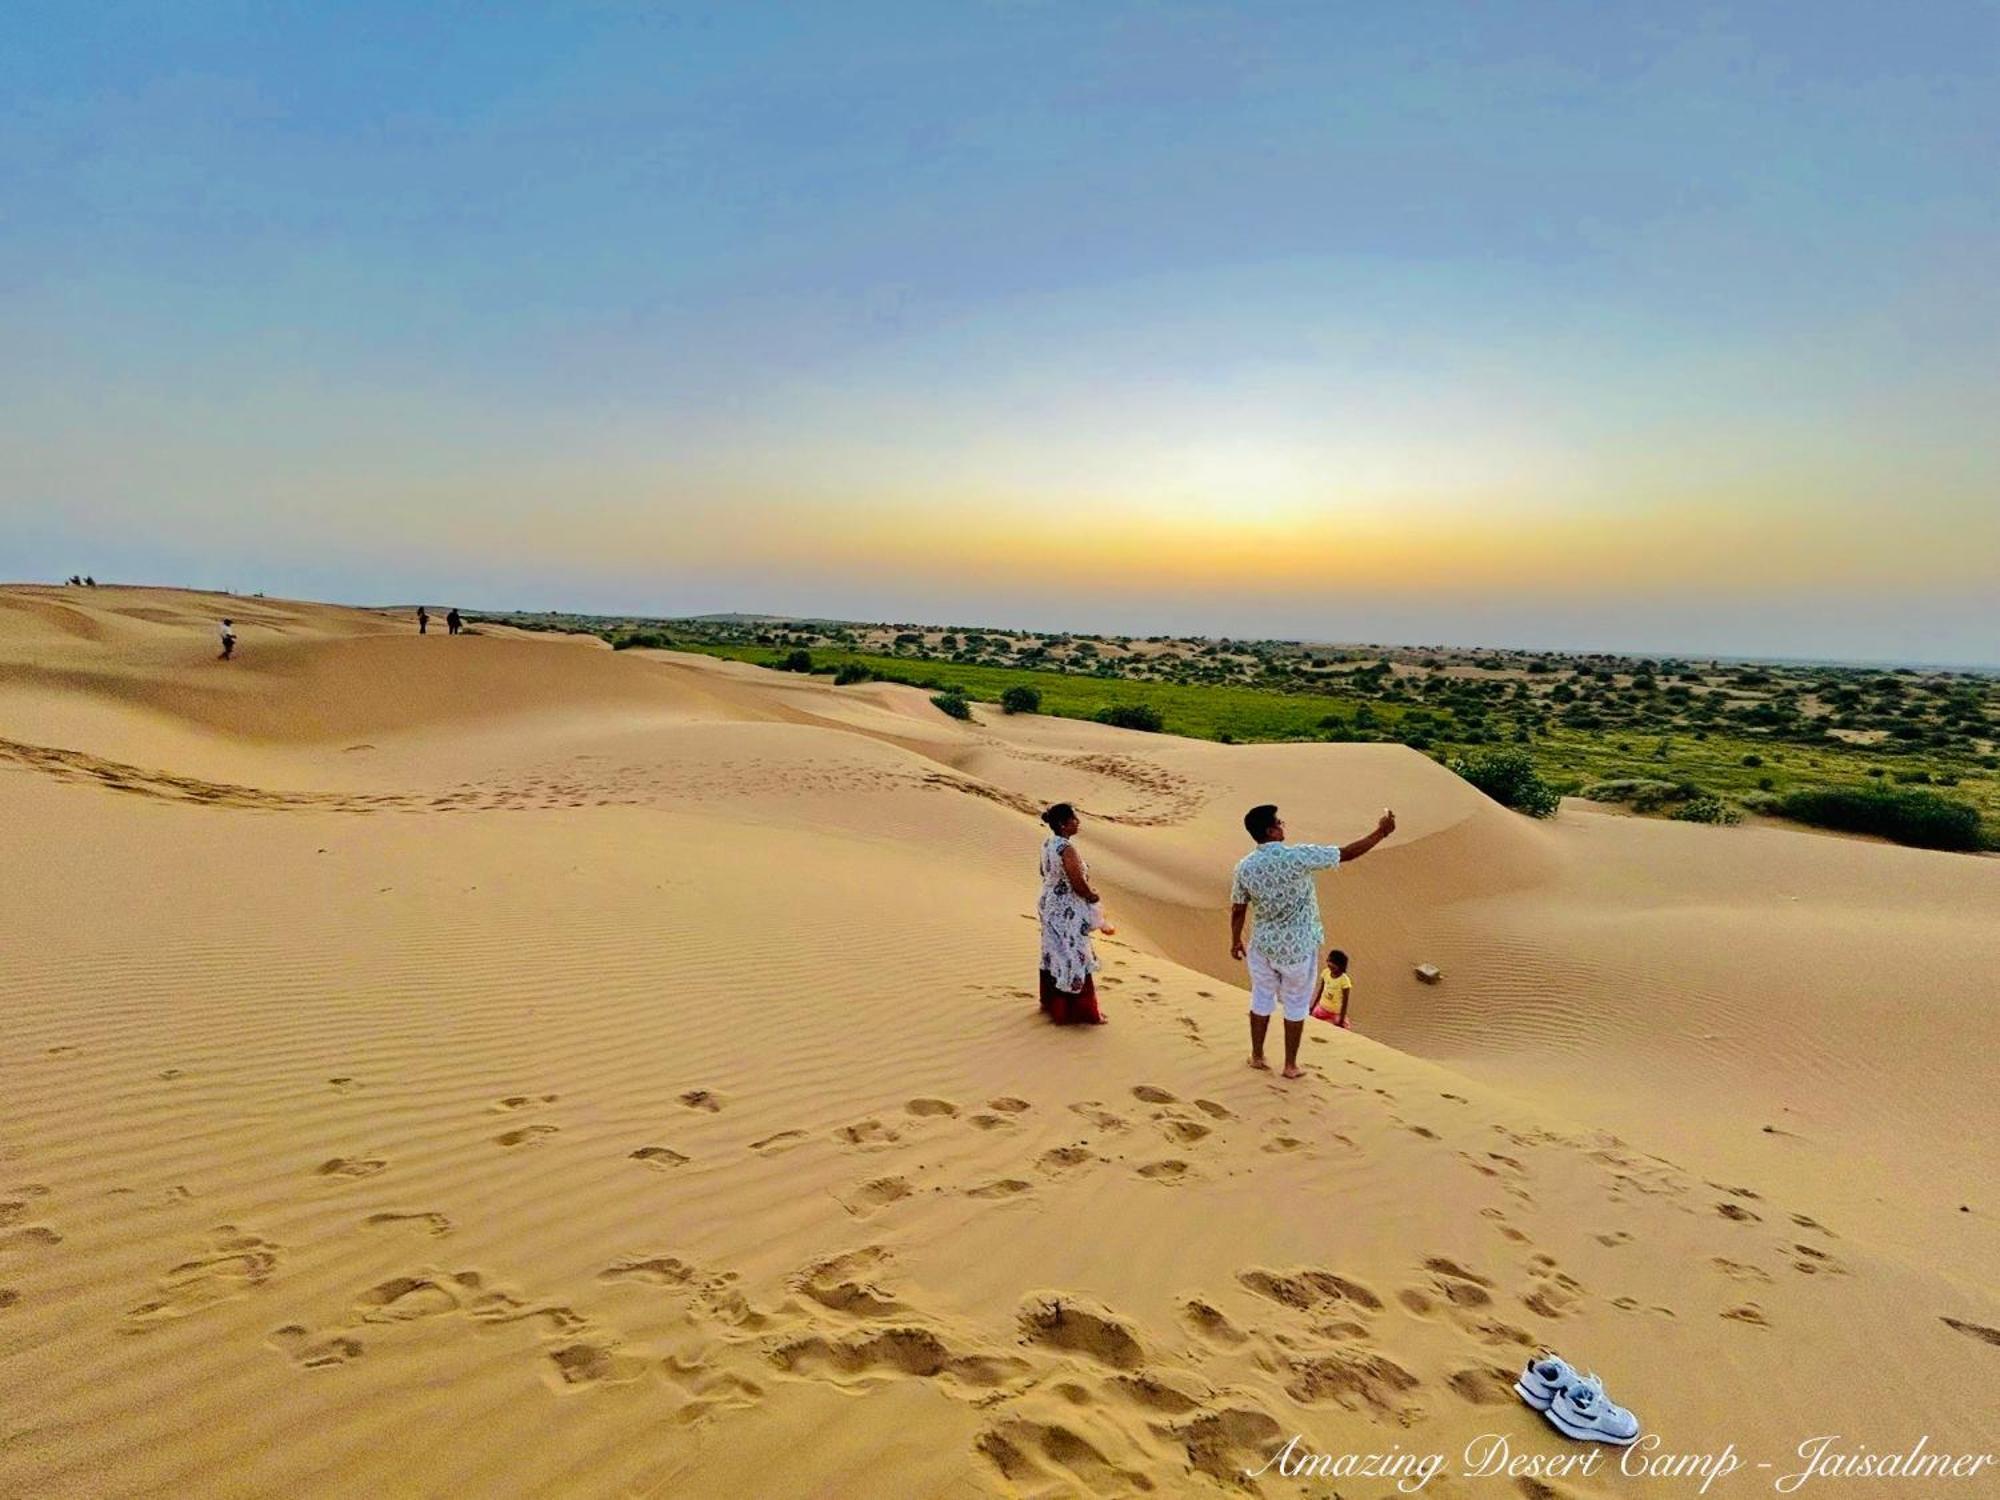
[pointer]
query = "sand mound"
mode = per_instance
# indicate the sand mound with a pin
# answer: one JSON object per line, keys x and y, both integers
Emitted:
{"x": 503, "y": 1067}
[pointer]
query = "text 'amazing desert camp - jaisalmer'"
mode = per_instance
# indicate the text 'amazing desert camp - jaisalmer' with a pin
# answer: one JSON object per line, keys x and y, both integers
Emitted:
{"x": 999, "y": 750}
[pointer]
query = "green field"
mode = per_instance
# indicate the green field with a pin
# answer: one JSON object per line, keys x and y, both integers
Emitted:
{"x": 1711, "y": 759}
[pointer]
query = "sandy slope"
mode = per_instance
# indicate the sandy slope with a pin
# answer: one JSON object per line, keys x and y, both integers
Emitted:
{"x": 498, "y": 1066}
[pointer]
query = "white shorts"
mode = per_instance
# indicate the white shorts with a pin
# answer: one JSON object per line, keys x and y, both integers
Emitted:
{"x": 1291, "y": 983}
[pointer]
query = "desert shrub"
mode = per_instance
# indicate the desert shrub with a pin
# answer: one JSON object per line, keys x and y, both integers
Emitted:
{"x": 851, "y": 671}
{"x": 952, "y": 704}
{"x": 652, "y": 640}
{"x": 1131, "y": 716}
{"x": 1021, "y": 699}
{"x": 1642, "y": 793}
{"x": 1753, "y": 761}
{"x": 1760, "y": 802}
{"x": 796, "y": 661}
{"x": 1509, "y": 778}
{"x": 1706, "y": 808}
{"x": 1918, "y": 817}
{"x": 1913, "y": 778}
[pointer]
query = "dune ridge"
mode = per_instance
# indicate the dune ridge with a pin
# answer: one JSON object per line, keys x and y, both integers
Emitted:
{"x": 499, "y": 1066}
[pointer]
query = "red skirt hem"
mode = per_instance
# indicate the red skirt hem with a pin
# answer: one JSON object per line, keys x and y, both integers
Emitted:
{"x": 1067, "y": 1008}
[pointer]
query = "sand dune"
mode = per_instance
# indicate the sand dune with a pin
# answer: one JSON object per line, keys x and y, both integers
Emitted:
{"x": 497, "y": 1066}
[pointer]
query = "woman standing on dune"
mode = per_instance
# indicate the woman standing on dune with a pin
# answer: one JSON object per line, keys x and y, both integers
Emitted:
{"x": 1070, "y": 913}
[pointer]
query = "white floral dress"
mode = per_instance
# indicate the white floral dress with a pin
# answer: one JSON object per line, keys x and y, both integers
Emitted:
{"x": 1067, "y": 920}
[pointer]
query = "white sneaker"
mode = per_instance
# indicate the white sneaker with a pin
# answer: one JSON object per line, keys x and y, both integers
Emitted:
{"x": 1543, "y": 1380}
{"x": 1584, "y": 1412}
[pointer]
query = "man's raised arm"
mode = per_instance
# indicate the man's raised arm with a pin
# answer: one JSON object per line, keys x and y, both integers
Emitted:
{"x": 1385, "y": 826}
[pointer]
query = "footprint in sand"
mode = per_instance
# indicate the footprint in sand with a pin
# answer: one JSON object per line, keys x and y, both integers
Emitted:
{"x": 660, "y": 1158}
{"x": 1483, "y": 1385}
{"x": 1057, "y": 1320}
{"x": 1063, "y": 1158}
{"x": 350, "y": 1166}
{"x": 1308, "y": 1289}
{"x": 702, "y": 1099}
{"x": 233, "y": 1264}
{"x": 878, "y": 1194}
{"x": 29, "y": 1236}
{"x": 315, "y": 1353}
{"x": 8, "y": 1297}
{"x": 1737, "y": 1270}
{"x": 523, "y": 1101}
{"x": 527, "y": 1135}
{"x": 894, "y": 1351}
{"x": 1749, "y": 1313}
{"x": 585, "y": 1364}
{"x": 1018, "y": 1449}
{"x": 1164, "y": 1171}
{"x": 866, "y": 1133}
{"x": 656, "y": 1270}
{"x": 930, "y": 1108}
{"x": 1001, "y": 1187}
{"x": 1148, "y": 1094}
{"x": 1737, "y": 1212}
{"x": 989, "y": 1122}
{"x": 1103, "y": 1119}
{"x": 430, "y": 1223}
{"x": 1008, "y": 1105}
{"x": 404, "y": 1299}
{"x": 1186, "y": 1132}
{"x": 1209, "y": 1321}
{"x": 777, "y": 1145}
{"x": 1355, "y": 1379}
{"x": 345, "y": 1085}
{"x": 1213, "y": 1110}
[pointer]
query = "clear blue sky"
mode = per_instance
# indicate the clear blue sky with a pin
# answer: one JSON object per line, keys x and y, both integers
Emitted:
{"x": 1651, "y": 326}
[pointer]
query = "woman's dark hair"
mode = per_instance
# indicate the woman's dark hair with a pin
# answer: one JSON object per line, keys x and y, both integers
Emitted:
{"x": 1261, "y": 819}
{"x": 1058, "y": 815}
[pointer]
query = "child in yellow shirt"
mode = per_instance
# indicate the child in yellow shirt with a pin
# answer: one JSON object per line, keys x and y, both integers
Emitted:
{"x": 1330, "y": 1000}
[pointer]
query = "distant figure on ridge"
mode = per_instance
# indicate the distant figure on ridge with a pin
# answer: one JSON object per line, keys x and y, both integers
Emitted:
{"x": 1070, "y": 912}
{"x": 1277, "y": 878}
{"x": 228, "y": 639}
{"x": 423, "y": 621}
{"x": 452, "y": 623}
{"x": 89, "y": 582}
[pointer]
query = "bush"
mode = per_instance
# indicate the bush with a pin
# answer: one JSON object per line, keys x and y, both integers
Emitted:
{"x": 651, "y": 640}
{"x": 1706, "y": 808}
{"x": 1921, "y": 818}
{"x": 953, "y": 704}
{"x": 1753, "y": 761}
{"x": 1021, "y": 699}
{"x": 1509, "y": 778}
{"x": 851, "y": 671}
{"x": 1131, "y": 716}
{"x": 797, "y": 660}
{"x": 1643, "y": 794}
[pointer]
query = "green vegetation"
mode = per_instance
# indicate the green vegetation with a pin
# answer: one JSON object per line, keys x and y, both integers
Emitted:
{"x": 1021, "y": 699}
{"x": 1921, "y": 818}
{"x": 953, "y": 704}
{"x": 1509, "y": 778}
{"x": 1131, "y": 716}
{"x": 1695, "y": 739}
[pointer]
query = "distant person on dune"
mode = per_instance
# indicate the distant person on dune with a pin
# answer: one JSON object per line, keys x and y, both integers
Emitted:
{"x": 452, "y": 623}
{"x": 1070, "y": 912}
{"x": 1277, "y": 879}
{"x": 423, "y": 621}
{"x": 228, "y": 639}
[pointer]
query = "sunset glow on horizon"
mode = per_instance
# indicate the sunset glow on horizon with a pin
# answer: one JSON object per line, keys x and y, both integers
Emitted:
{"x": 1589, "y": 327}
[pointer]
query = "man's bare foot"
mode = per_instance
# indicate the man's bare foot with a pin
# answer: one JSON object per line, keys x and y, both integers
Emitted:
{"x": 1293, "y": 1072}
{"x": 1258, "y": 1062}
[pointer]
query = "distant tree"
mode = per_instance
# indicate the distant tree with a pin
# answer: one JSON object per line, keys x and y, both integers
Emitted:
{"x": 1021, "y": 699}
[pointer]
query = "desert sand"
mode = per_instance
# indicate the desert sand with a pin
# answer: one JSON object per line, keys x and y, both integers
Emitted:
{"x": 502, "y": 1066}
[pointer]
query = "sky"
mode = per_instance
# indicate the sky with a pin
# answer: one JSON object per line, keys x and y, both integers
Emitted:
{"x": 1594, "y": 326}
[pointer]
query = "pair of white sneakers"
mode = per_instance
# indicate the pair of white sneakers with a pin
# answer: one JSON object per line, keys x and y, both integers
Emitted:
{"x": 1575, "y": 1405}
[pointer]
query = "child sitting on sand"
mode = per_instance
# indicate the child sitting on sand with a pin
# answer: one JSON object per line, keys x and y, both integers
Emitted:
{"x": 1333, "y": 983}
